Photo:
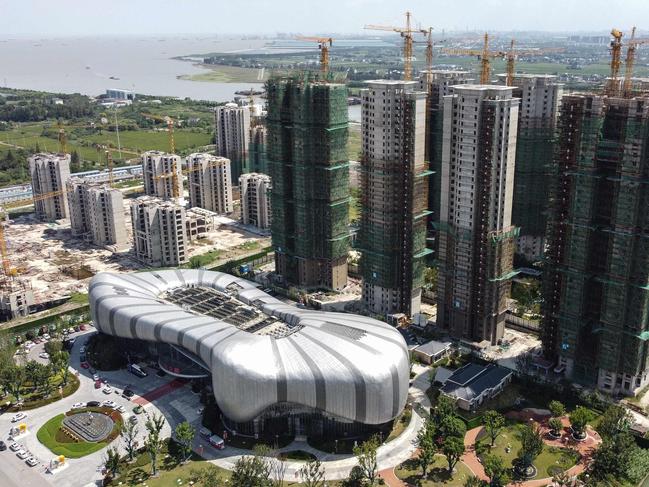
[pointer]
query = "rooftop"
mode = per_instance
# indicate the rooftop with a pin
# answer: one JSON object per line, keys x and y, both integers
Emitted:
{"x": 472, "y": 380}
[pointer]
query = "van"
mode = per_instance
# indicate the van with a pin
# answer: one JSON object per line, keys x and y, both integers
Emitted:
{"x": 136, "y": 370}
{"x": 217, "y": 442}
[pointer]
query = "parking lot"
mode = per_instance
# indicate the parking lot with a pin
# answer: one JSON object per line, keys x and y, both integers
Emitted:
{"x": 177, "y": 404}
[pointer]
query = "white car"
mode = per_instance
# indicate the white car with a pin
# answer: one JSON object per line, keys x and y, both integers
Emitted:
{"x": 15, "y": 447}
{"x": 82, "y": 350}
{"x": 95, "y": 377}
{"x": 18, "y": 417}
{"x": 107, "y": 390}
{"x": 44, "y": 355}
{"x": 46, "y": 336}
{"x": 121, "y": 409}
{"x": 78, "y": 405}
{"x": 109, "y": 404}
{"x": 32, "y": 461}
{"x": 23, "y": 454}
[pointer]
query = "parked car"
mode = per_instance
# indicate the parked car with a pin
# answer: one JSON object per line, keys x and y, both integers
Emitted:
{"x": 85, "y": 365}
{"x": 32, "y": 461}
{"x": 82, "y": 327}
{"x": 18, "y": 417}
{"x": 82, "y": 350}
{"x": 109, "y": 404}
{"x": 98, "y": 384}
{"x": 121, "y": 409}
{"x": 44, "y": 355}
{"x": 128, "y": 394}
{"x": 15, "y": 446}
{"x": 95, "y": 377}
{"x": 22, "y": 454}
{"x": 46, "y": 336}
{"x": 217, "y": 442}
{"x": 76, "y": 328}
{"x": 92, "y": 370}
{"x": 107, "y": 390}
{"x": 136, "y": 370}
{"x": 92, "y": 404}
{"x": 138, "y": 409}
{"x": 3, "y": 446}
{"x": 78, "y": 405}
{"x": 204, "y": 432}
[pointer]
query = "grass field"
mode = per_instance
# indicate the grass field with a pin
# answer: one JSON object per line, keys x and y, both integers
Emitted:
{"x": 227, "y": 74}
{"x": 438, "y": 473}
{"x": 550, "y": 459}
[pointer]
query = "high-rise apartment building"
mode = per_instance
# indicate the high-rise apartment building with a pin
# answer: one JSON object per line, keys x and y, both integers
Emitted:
{"x": 49, "y": 174}
{"x": 255, "y": 199}
{"x": 596, "y": 297}
{"x": 307, "y": 158}
{"x": 232, "y": 124}
{"x": 477, "y": 238}
{"x": 437, "y": 83}
{"x": 157, "y": 170}
{"x": 209, "y": 182}
{"x": 159, "y": 231}
{"x": 394, "y": 196}
{"x": 257, "y": 150}
{"x": 539, "y": 96}
{"x": 97, "y": 213}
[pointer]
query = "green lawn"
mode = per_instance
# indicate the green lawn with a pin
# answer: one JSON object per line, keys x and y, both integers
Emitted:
{"x": 33, "y": 399}
{"x": 550, "y": 459}
{"x": 438, "y": 473}
{"x": 227, "y": 74}
{"x": 50, "y": 436}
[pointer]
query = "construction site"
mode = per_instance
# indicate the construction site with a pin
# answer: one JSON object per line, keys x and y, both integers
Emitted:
{"x": 595, "y": 287}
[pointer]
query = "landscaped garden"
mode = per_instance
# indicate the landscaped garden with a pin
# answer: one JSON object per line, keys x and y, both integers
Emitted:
{"x": 437, "y": 474}
{"x": 62, "y": 440}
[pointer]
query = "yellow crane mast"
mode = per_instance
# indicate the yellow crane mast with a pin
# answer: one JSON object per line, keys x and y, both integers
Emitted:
{"x": 429, "y": 57}
{"x": 407, "y": 35}
{"x": 629, "y": 63}
{"x": 616, "y": 60}
{"x": 512, "y": 56}
{"x": 484, "y": 55}
{"x": 324, "y": 43}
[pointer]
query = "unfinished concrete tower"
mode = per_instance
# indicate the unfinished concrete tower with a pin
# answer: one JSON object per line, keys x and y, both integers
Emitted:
{"x": 209, "y": 182}
{"x": 16, "y": 298}
{"x": 476, "y": 238}
{"x": 308, "y": 164}
{"x": 596, "y": 297}
{"x": 437, "y": 84}
{"x": 257, "y": 150}
{"x": 159, "y": 232}
{"x": 49, "y": 173}
{"x": 255, "y": 199}
{"x": 97, "y": 213}
{"x": 394, "y": 196}
{"x": 157, "y": 170}
{"x": 539, "y": 96}
{"x": 232, "y": 123}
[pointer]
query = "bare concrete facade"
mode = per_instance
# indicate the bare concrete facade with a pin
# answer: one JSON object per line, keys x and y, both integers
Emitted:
{"x": 209, "y": 182}
{"x": 232, "y": 124}
{"x": 159, "y": 232}
{"x": 157, "y": 170}
{"x": 255, "y": 200}
{"x": 476, "y": 238}
{"x": 97, "y": 213}
{"x": 16, "y": 298}
{"x": 49, "y": 174}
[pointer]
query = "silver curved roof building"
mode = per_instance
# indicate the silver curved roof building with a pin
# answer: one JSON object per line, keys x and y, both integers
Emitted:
{"x": 260, "y": 350}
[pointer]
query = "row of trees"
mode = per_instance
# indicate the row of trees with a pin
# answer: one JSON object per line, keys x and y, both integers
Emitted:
{"x": 34, "y": 377}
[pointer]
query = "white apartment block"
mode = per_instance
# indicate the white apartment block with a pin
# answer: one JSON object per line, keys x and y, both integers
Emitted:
{"x": 232, "y": 124}
{"x": 255, "y": 199}
{"x": 442, "y": 80}
{"x": 209, "y": 182}
{"x": 97, "y": 213}
{"x": 476, "y": 238}
{"x": 16, "y": 298}
{"x": 159, "y": 232}
{"x": 49, "y": 174}
{"x": 393, "y": 223}
{"x": 157, "y": 171}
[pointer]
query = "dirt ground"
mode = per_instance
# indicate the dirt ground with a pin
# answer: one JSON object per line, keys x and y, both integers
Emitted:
{"x": 58, "y": 264}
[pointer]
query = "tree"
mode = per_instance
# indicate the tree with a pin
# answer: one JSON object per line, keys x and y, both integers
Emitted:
{"x": 60, "y": 362}
{"x": 111, "y": 461}
{"x": 531, "y": 445}
{"x": 579, "y": 418}
{"x": 366, "y": 453}
{"x": 616, "y": 419}
{"x": 427, "y": 446}
{"x": 524, "y": 364}
{"x": 494, "y": 422}
{"x": 210, "y": 477}
{"x": 430, "y": 278}
{"x": 277, "y": 467}
{"x": 312, "y": 474}
{"x": 473, "y": 481}
{"x": 12, "y": 379}
{"x": 451, "y": 426}
{"x": 74, "y": 161}
{"x": 185, "y": 434}
{"x": 495, "y": 468}
{"x": 38, "y": 374}
{"x": 445, "y": 407}
{"x": 620, "y": 458}
{"x": 555, "y": 426}
{"x": 250, "y": 471}
{"x": 453, "y": 448}
{"x": 557, "y": 409}
{"x": 129, "y": 432}
{"x": 53, "y": 346}
{"x": 153, "y": 442}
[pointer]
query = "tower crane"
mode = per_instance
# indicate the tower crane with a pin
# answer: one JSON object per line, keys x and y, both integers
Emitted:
{"x": 630, "y": 61}
{"x": 429, "y": 57}
{"x": 616, "y": 57}
{"x": 484, "y": 55}
{"x": 407, "y": 35}
{"x": 109, "y": 163}
{"x": 172, "y": 146}
{"x": 512, "y": 56}
{"x": 324, "y": 43}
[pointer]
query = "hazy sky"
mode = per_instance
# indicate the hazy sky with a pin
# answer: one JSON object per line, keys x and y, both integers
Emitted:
{"x": 81, "y": 17}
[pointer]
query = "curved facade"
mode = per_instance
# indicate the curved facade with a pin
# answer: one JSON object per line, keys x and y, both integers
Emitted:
{"x": 261, "y": 351}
